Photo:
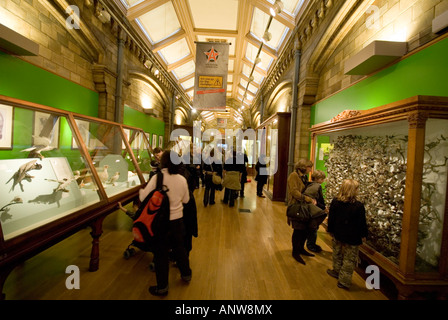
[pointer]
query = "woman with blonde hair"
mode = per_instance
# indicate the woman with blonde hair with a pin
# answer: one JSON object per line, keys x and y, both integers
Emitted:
{"x": 348, "y": 227}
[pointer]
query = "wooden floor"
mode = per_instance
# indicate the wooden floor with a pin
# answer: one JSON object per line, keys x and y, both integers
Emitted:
{"x": 238, "y": 255}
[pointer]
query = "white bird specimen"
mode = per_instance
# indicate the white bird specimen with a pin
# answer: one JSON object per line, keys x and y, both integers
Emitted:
{"x": 114, "y": 178}
{"x": 104, "y": 175}
{"x": 63, "y": 184}
{"x": 41, "y": 144}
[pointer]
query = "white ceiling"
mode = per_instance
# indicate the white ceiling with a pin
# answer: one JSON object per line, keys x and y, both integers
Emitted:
{"x": 171, "y": 28}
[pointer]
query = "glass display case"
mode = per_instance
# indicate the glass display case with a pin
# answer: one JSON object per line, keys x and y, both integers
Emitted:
{"x": 276, "y": 141}
{"x": 399, "y": 155}
{"x": 60, "y": 171}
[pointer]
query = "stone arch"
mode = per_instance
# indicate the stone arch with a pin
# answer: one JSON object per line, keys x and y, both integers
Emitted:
{"x": 145, "y": 90}
{"x": 279, "y": 100}
{"x": 181, "y": 116}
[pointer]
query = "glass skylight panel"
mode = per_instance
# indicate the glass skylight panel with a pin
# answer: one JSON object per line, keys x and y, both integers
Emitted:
{"x": 230, "y": 78}
{"x": 251, "y": 54}
{"x": 292, "y": 6}
{"x": 252, "y": 89}
{"x": 175, "y": 51}
{"x": 258, "y": 78}
{"x": 188, "y": 84}
{"x": 184, "y": 70}
{"x": 231, "y": 65}
{"x": 277, "y": 29}
{"x": 215, "y": 15}
{"x": 259, "y": 23}
{"x": 160, "y": 23}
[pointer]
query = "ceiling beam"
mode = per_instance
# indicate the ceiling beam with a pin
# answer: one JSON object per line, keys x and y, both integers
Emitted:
{"x": 144, "y": 7}
{"x": 283, "y": 17}
{"x": 251, "y": 39}
{"x": 264, "y": 73}
{"x": 168, "y": 41}
{"x": 177, "y": 64}
{"x": 187, "y": 78}
{"x": 215, "y": 32}
{"x": 245, "y": 14}
{"x": 186, "y": 21}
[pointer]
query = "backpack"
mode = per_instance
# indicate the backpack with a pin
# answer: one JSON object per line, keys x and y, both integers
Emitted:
{"x": 153, "y": 215}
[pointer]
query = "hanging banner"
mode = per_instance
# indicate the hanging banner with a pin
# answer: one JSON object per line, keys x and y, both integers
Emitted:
{"x": 210, "y": 86}
{"x": 221, "y": 123}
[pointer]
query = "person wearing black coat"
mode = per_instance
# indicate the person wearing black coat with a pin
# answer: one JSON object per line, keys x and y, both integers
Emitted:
{"x": 347, "y": 224}
{"x": 190, "y": 222}
{"x": 210, "y": 167}
{"x": 261, "y": 179}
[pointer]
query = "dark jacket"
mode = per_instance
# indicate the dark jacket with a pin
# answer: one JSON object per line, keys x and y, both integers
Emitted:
{"x": 314, "y": 190}
{"x": 347, "y": 221}
{"x": 260, "y": 178}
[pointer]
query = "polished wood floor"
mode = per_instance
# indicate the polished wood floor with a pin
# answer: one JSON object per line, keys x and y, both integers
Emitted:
{"x": 238, "y": 255}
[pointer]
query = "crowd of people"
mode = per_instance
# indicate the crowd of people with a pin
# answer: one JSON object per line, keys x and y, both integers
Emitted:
{"x": 346, "y": 215}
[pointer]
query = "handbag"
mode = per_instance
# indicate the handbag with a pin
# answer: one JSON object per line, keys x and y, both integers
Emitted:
{"x": 216, "y": 179}
{"x": 299, "y": 211}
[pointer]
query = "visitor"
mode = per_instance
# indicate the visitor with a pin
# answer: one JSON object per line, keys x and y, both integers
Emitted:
{"x": 348, "y": 227}
{"x": 314, "y": 190}
{"x": 296, "y": 187}
{"x": 232, "y": 179}
{"x": 261, "y": 177}
{"x": 210, "y": 167}
{"x": 178, "y": 195}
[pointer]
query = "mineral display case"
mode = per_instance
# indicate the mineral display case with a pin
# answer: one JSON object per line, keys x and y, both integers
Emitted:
{"x": 60, "y": 172}
{"x": 399, "y": 155}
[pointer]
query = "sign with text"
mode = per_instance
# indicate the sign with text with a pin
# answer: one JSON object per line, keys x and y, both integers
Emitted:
{"x": 210, "y": 87}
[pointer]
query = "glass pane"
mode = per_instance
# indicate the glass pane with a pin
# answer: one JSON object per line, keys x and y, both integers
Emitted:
{"x": 322, "y": 150}
{"x": 43, "y": 175}
{"x": 105, "y": 145}
{"x": 432, "y": 208}
{"x": 140, "y": 148}
{"x": 376, "y": 157}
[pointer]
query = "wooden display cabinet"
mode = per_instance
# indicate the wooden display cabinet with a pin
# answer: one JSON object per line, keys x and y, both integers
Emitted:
{"x": 61, "y": 172}
{"x": 399, "y": 154}
{"x": 277, "y": 149}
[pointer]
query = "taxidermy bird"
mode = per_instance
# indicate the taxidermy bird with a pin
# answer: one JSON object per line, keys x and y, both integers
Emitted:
{"x": 63, "y": 184}
{"x": 114, "y": 178}
{"x": 104, "y": 176}
{"x": 41, "y": 144}
{"x": 22, "y": 173}
{"x": 5, "y": 209}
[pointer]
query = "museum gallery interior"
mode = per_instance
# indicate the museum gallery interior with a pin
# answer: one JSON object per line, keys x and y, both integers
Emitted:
{"x": 89, "y": 88}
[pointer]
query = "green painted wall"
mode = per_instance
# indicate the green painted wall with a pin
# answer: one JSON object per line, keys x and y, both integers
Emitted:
{"x": 22, "y": 80}
{"x": 138, "y": 119}
{"x": 423, "y": 73}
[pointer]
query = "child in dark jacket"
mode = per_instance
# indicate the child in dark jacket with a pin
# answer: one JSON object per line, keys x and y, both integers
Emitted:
{"x": 314, "y": 190}
{"x": 347, "y": 224}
